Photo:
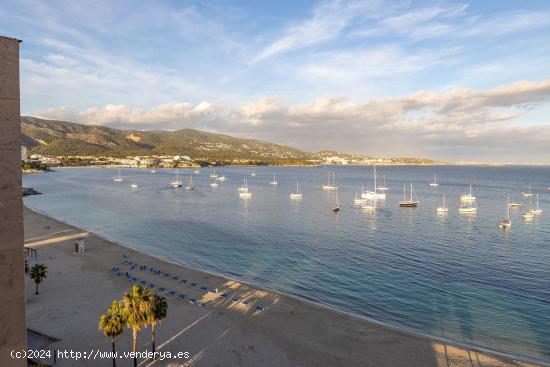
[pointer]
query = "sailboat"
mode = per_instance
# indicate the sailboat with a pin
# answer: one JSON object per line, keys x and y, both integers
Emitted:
{"x": 412, "y": 202}
{"x": 189, "y": 186}
{"x": 528, "y": 194}
{"x": 538, "y": 210}
{"x": 511, "y": 204}
{"x": 383, "y": 187}
{"x": 468, "y": 197}
{"x": 176, "y": 182}
{"x": 153, "y": 170}
{"x": 253, "y": 173}
{"x": 443, "y": 208}
{"x": 244, "y": 193}
{"x": 506, "y": 222}
{"x": 330, "y": 184}
{"x": 336, "y": 207}
{"x": 196, "y": 172}
{"x": 373, "y": 194}
{"x": 243, "y": 188}
{"x": 221, "y": 178}
{"x": 368, "y": 204}
{"x": 213, "y": 174}
{"x": 134, "y": 186}
{"x": 358, "y": 200}
{"x": 119, "y": 177}
{"x": 214, "y": 183}
{"x": 296, "y": 195}
{"x": 467, "y": 203}
{"x": 274, "y": 182}
{"x": 434, "y": 182}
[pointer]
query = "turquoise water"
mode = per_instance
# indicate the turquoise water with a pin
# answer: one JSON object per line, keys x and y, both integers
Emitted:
{"x": 457, "y": 277}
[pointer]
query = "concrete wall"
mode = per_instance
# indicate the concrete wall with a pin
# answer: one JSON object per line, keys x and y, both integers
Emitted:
{"x": 12, "y": 272}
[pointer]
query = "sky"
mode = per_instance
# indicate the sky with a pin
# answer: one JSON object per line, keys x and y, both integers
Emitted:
{"x": 449, "y": 80}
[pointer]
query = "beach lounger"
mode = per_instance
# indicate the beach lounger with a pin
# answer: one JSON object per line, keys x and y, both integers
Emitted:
{"x": 193, "y": 300}
{"x": 193, "y": 285}
{"x": 213, "y": 290}
{"x": 151, "y": 285}
{"x": 181, "y": 296}
{"x": 203, "y": 289}
{"x": 161, "y": 289}
{"x": 246, "y": 302}
{"x": 184, "y": 281}
{"x": 172, "y": 293}
{"x": 143, "y": 282}
{"x": 134, "y": 279}
{"x": 224, "y": 295}
{"x": 119, "y": 274}
{"x": 175, "y": 277}
{"x": 236, "y": 299}
{"x": 204, "y": 304}
{"x": 259, "y": 308}
{"x": 166, "y": 275}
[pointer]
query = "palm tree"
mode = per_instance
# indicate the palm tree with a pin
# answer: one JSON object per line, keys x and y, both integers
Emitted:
{"x": 134, "y": 312}
{"x": 38, "y": 274}
{"x": 159, "y": 309}
{"x": 112, "y": 324}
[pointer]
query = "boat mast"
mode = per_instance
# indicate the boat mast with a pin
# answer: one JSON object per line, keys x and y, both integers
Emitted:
{"x": 375, "y": 178}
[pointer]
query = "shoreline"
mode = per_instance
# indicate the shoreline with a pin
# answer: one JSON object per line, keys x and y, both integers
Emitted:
{"x": 389, "y": 327}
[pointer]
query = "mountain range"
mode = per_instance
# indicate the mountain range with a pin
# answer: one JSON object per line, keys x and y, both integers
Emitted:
{"x": 62, "y": 138}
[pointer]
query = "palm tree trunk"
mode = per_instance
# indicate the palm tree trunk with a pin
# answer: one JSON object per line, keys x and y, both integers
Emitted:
{"x": 153, "y": 338}
{"x": 114, "y": 359}
{"x": 36, "y": 288}
{"x": 134, "y": 334}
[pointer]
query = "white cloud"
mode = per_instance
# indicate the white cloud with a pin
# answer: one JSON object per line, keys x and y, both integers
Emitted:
{"x": 423, "y": 123}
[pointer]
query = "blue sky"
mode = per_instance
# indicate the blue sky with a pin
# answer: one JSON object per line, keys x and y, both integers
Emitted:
{"x": 443, "y": 79}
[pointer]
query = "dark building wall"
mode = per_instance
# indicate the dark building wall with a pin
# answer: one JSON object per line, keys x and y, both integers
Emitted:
{"x": 12, "y": 281}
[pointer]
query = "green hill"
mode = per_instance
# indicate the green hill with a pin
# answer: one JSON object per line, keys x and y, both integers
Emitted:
{"x": 61, "y": 138}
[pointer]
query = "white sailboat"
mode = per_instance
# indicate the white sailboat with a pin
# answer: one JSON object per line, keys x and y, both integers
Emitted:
{"x": 468, "y": 197}
{"x": 358, "y": 200}
{"x": 443, "y": 208}
{"x": 506, "y": 222}
{"x": 243, "y": 188}
{"x": 468, "y": 203}
{"x": 411, "y": 202}
{"x": 331, "y": 186}
{"x": 373, "y": 195}
{"x": 190, "y": 186}
{"x": 511, "y": 204}
{"x": 119, "y": 177}
{"x": 383, "y": 187}
{"x": 538, "y": 210}
{"x": 296, "y": 195}
{"x": 214, "y": 183}
{"x": 274, "y": 182}
{"x": 245, "y": 194}
{"x": 153, "y": 170}
{"x": 213, "y": 174}
{"x": 434, "y": 182}
{"x": 176, "y": 182}
{"x": 528, "y": 194}
{"x": 196, "y": 172}
{"x": 253, "y": 173}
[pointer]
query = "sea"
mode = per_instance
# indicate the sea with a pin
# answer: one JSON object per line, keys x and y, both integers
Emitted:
{"x": 454, "y": 276}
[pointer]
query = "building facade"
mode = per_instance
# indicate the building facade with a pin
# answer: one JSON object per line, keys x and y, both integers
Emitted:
{"x": 12, "y": 264}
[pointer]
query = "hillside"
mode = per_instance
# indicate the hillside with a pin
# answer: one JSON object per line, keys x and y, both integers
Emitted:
{"x": 56, "y": 138}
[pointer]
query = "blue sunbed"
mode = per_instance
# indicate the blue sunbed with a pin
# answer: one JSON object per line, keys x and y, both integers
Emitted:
{"x": 236, "y": 299}
{"x": 203, "y": 289}
{"x": 224, "y": 295}
{"x": 193, "y": 300}
{"x": 259, "y": 308}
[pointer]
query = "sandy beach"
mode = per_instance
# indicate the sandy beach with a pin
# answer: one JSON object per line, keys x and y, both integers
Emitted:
{"x": 287, "y": 332}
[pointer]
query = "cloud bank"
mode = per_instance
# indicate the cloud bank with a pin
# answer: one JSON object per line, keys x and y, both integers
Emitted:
{"x": 457, "y": 124}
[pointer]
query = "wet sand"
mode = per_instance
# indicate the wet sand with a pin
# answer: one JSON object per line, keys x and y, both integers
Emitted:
{"x": 288, "y": 332}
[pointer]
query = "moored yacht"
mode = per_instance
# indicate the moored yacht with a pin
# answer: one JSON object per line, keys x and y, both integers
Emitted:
{"x": 434, "y": 182}
{"x": 537, "y": 210}
{"x": 443, "y": 208}
{"x": 274, "y": 181}
{"x": 297, "y": 194}
{"x": 468, "y": 197}
{"x": 119, "y": 177}
{"x": 528, "y": 194}
{"x": 373, "y": 195}
{"x": 190, "y": 186}
{"x": 506, "y": 222}
{"x": 176, "y": 182}
{"x": 331, "y": 186}
{"x": 243, "y": 188}
{"x": 412, "y": 201}
{"x": 213, "y": 174}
